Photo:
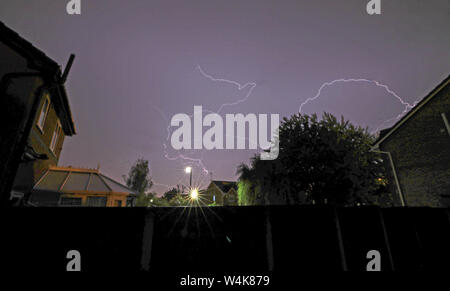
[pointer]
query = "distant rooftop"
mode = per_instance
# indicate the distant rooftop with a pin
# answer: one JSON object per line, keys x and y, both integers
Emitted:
{"x": 225, "y": 186}
{"x": 385, "y": 133}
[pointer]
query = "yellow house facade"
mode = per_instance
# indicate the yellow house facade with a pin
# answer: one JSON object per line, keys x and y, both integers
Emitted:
{"x": 75, "y": 187}
{"x": 223, "y": 193}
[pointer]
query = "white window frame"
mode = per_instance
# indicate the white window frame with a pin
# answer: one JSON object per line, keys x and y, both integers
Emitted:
{"x": 47, "y": 99}
{"x": 447, "y": 125}
{"x": 55, "y": 137}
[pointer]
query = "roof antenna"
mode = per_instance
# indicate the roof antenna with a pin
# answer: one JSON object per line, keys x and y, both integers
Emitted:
{"x": 67, "y": 69}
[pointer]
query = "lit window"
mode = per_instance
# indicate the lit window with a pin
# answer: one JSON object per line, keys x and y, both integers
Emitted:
{"x": 55, "y": 136}
{"x": 44, "y": 110}
{"x": 214, "y": 198}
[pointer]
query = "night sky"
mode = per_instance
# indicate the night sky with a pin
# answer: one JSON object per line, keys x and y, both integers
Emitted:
{"x": 136, "y": 66}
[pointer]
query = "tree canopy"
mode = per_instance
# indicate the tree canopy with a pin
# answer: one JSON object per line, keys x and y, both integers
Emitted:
{"x": 322, "y": 161}
{"x": 139, "y": 180}
{"x": 168, "y": 195}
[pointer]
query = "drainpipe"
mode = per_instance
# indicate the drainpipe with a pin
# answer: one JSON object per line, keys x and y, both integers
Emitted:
{"x": 402, "y": 198}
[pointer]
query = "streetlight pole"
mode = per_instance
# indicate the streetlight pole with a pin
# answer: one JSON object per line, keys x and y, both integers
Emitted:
{"x": 193, "y": 192}
{"x": 189, "y": 170}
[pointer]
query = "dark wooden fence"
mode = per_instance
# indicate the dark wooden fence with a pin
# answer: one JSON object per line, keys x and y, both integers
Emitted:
{"x": 273, "y": 238}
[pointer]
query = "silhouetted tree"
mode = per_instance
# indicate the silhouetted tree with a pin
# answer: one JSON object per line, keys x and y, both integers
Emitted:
{"x": 139, "y": 180}
{"x": 146, "y": 199}
{"x": 179, "y": 200}
{"x": 156, "y": 201}
{"x": 170, "y": 194}
{"x": 320, "y": 161}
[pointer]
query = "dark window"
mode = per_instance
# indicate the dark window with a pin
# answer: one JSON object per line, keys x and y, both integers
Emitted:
{"x": 96, "y": 201}
{"x": 130, "y": 202}
{"x": 70, "y": 201}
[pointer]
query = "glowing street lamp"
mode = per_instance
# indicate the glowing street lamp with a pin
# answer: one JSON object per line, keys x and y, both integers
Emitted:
{"x": 194, "y": 194}
{"x": 189, "y": 171}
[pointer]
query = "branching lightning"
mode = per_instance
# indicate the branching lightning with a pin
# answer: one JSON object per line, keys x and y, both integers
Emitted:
{"x": 407, "y": 106}
{"x": 198, "y": 161}
{"x": 238, "y": 85}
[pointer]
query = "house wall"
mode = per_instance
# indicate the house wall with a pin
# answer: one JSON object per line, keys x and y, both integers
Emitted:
{"x": 30, "y": 172}
{"x": 20, "y": 94}
{"x": 41, "y": 139}
{"x": 22, "y": 84}
{"x": 212, "y": 190}
{"x": 111, "y": 198}
{"x": 16, "y": 101}
{"x": 230, "y": 198}
{"x": 420, "y": 150}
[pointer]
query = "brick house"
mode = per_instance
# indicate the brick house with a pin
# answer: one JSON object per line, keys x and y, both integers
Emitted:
{"x": 417, "y": 149}
{"x": 37, "y": 115}
{"x": 221, "y": 192}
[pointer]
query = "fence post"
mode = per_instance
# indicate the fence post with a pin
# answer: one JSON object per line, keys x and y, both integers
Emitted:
{"x": 147, "y": 239}
{"x": 386, "y": 239}
{"x": 269, "y": 242}
{"x": 340, "y": 240}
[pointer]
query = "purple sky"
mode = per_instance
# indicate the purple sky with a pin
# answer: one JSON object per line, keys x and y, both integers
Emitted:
{"x": 136, "y": 59}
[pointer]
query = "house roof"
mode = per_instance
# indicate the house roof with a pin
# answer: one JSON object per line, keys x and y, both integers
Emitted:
{"x": 225, "y": 186}
{"x": 37, "y": 59}
{"x": 386, "y": 133}
{"x": 41, "y": 62}
{"x": 76, "y": 180}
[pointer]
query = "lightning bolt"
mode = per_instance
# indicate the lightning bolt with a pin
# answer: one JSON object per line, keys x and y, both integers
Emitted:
{"x": 234, "y": 83}
{"x": 407, "y": 106}
{"x": 249, "y": 86}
